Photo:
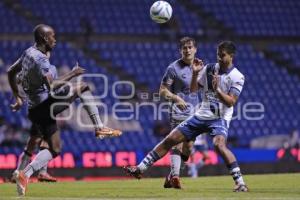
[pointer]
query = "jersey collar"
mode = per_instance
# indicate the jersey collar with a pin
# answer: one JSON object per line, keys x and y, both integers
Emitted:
{"x": 183, "y": 64}
{"x": 225, "y": 71}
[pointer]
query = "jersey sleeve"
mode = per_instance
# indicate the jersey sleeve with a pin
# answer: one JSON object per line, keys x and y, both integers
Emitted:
{"x": 46, "y": 67}
{"x": 169, "y": 77}
{"x": 237, "y": 85}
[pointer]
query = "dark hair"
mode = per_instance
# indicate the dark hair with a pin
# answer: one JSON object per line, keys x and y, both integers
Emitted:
{"x": 39, "y": 33}
{"x": 228, "y": 46}
{"x": 185, "y": 40}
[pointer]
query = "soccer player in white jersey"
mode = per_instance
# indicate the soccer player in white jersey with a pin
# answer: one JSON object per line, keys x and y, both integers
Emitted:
{"x": 222, "y": 84}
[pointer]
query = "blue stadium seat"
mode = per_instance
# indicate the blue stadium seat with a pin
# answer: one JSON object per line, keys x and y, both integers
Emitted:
{"x": 256, "y": 18}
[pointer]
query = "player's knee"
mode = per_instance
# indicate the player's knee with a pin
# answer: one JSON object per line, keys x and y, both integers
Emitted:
{"x": 54, "y": 152}
{"x": 28, "y": 153}
{"x": 187, "y": 149}
{"x": 168, "y": 143}
{"x": 175, "y": 151}
{"x": 42, "y": 148}
{"x": 186, "y": 152}
{"x": 219, "y": 144}
{"x": 185, "y": 157}
{"x": 33, "y": 142}
{"x": 44, "y": 145}
{"x": 30, "y": 147}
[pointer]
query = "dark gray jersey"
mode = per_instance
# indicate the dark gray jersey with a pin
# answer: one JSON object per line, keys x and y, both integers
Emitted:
{"x": 177, "y": 79}
{"x": 35, "y": 65}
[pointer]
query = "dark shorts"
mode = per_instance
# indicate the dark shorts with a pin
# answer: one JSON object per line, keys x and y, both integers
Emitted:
{"x": 43, "y": 115}
{"x": 193, "y": 126}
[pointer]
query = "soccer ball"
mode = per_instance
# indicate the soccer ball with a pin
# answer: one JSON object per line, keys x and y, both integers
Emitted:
{"x": 161, "y": 12}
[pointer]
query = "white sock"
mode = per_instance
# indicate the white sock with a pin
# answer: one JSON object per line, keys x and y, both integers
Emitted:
{"x": 193, "y": 170}
{"x": 200, "y": 164}
{"x": 41, "y": 159}
{"x": 43, "y": 170}
{"x": 148, "y": 161}
{"x": 175, "y": 164}
{"x": 90, "y": 106}
{"x": 237, "y": 176}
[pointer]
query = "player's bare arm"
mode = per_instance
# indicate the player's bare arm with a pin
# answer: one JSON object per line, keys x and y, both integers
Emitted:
{"x": 197, "y": 67}
{"x": 12, "y": 72}
{"x": 228, "y": 99}
{"x": 165, "y": 92}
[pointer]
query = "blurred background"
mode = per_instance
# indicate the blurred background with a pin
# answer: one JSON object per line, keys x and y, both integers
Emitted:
{"x": 117, "y": 38}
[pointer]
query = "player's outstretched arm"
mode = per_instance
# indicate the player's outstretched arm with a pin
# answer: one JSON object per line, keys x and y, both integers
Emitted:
{"x": 197, "y": 67}
{"x": 12, "y": 72}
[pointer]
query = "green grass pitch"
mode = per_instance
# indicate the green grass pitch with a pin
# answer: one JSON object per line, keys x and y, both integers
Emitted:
{"x": 273, "y": 187}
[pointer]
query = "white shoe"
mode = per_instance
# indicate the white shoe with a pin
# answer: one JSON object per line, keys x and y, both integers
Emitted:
{"x": 22, "y": 182}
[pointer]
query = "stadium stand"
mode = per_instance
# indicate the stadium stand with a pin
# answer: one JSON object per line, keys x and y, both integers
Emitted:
{"x": 256, "y": 18}
{"x": 266, "y": 82}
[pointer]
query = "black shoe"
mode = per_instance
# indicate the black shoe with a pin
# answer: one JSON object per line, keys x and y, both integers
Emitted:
{"x": 133, "y": 171}
{"x": 167, "y": 183}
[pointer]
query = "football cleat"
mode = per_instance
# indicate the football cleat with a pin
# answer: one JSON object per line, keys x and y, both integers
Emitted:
{"x": 133, "y": 171}
{"x": 167, "y": 183}
{"x": 22, "y": 182}
{"x": 175, "y": 182}
{"x": 241, "y": 188}
{"x": 107, "y": 132}
{"x": 46, "y": 178}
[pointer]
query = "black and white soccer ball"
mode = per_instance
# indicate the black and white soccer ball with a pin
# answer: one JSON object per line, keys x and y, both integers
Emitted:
{"x": 161, "y": 12}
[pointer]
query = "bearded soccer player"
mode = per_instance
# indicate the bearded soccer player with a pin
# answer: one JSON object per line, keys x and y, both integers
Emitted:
{"x": 221, "y": 84}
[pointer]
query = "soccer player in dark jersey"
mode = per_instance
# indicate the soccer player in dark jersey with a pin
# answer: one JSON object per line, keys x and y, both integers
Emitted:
{"x": 48, "y": 96}
{"x": 25, "y": 157}
{"x": 175, "y": 87}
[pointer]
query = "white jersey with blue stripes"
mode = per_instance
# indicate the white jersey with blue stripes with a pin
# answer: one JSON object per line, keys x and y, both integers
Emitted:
{"x": 231, "y": 82}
